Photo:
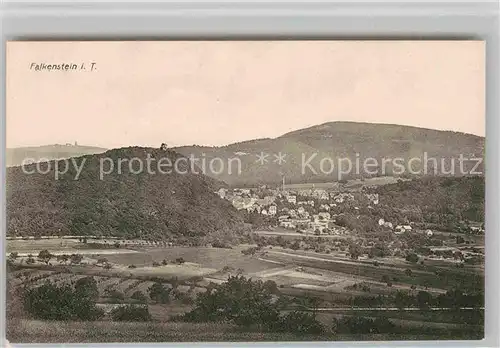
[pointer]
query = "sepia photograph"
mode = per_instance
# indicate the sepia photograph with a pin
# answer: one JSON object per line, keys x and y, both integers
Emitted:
{"x": 244, "y": 191}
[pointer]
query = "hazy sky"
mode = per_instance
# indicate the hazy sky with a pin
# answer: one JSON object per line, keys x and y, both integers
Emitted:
{"x": 215, "y": 93}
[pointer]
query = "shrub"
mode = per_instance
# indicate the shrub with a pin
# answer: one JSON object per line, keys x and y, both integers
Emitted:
{"x": 301, "y": 323}
{"x": 115, "y": 295}
{"x": 413, "y": 258}
{"x": 158, "y": 293}
{"x": 361, "y": 325}
{"x": 76, "y": 258}
{"x": 179, "y": 260}
{"x": 139, "y": 296}
{"x": 50, "y": 302}
{"x": 131, "y": 313}
{"x": 102, "y": 260}
{"x": 30, "y": 261}
{"x": 87, "y": 287}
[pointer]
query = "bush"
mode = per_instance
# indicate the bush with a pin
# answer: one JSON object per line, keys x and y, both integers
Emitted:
{"x": 76, "y": 258}
{"x": 132, "y": 266}
{"x": 139, "y": 296}
{"x": 87, "y": 287}
{"x": 30, "y": 261}
{"x": 179, "y": 260}
{"x": 44, "y": 255}
{"x": 413, "y": 258}
{"x": 158, "y": 293}
{"x": 115, "y": 295}
{"x": 361, "y": 325}
{"x": 131, "y": 313}
{"x": 50, "y": 302}
{"x": 301, "y": 323}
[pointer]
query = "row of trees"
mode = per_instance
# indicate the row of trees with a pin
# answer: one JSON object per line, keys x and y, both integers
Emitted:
{"x": 452, "y": 299}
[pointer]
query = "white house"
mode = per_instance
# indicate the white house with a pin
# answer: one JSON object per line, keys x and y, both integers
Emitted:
{"x": 272, "y": 210}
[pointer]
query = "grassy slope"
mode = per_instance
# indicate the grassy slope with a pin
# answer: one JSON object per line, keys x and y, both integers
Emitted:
{"x": 32, "y": 331}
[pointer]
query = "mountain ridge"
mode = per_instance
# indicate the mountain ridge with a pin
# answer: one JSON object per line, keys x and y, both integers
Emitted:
{"x": 335, "y": 140}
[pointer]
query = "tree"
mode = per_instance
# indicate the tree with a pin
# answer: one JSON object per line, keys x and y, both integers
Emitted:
{"x": 402, "y": 299}
{"x": 386, "y": 278}
{"x": 158, "y": 293}
{"x": 52, "y": 302}
{"x": 44, "y": 255}
{"x": 14, "y": 255}
{"x": 87, "y": 287}
{"x": 164, "y": 262}
{"x": 408, "y": 272}
{"x": 424, "y": 299}
{"x": 239, "y": 300}
{"x": 76, "y": 258}
{"x": 355, "y": 251}
{"x": 412, "y": 257}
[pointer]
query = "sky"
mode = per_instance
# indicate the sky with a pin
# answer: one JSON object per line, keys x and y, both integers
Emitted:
{"x": 220, "y": 92}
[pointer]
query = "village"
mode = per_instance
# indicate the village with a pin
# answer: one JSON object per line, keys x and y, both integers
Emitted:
{"x": 315, "y": 210}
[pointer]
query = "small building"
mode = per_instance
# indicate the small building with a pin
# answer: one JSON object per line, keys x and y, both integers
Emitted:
{"x": 272, "y": 210}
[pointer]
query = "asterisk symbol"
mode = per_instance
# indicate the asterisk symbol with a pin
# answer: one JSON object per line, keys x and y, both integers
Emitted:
{"x": 280, "y": 158}
{"x": 262, "y": 158}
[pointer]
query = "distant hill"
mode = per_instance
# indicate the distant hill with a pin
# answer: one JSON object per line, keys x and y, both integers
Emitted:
{"x": 160, "y": 206}
{"x": 16, "y": 156}
{"x": 336, "y": 140}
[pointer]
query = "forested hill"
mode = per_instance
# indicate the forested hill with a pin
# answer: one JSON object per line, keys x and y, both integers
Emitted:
{"x": 337, "y": 140}
{"x": 445, "y": 202}
{"x": 161, "y": 206}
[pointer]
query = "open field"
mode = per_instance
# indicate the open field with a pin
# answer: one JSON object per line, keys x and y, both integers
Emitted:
{"x": 360, "y": 270}
{"x": 211, "y": 258}
{"x": 383, "y": 180}
{"x": 328, "y": 277}
{"x": 332, "y": 272}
